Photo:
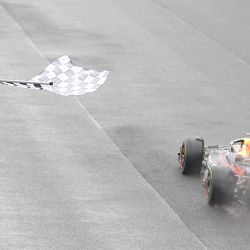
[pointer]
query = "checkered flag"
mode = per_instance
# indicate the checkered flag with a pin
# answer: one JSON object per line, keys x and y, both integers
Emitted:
{"x": 64, "y": 78}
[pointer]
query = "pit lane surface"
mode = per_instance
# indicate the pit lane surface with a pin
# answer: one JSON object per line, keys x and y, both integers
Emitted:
{"x": 178, "y": 69}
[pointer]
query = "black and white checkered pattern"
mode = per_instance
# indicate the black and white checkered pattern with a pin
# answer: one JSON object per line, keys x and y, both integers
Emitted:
{"x": 67, "y": 79}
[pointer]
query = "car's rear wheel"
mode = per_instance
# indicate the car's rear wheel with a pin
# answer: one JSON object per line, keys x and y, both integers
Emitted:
{"x": 191, "y": 156}
{"x": 247, "y": 199}
{"x": 219, "y": 186}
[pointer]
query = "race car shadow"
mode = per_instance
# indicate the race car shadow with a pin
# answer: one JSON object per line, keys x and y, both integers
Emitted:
{"x": 141, "y": 147}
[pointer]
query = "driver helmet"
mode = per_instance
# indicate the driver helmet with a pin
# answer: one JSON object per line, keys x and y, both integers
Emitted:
{"x": 245, "y": 149}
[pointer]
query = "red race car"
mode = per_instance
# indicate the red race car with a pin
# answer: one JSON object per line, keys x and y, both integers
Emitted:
{"x": 227, "y": 168}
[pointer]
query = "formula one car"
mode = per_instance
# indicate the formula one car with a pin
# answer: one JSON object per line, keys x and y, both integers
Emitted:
{"x": 227, "y": 168}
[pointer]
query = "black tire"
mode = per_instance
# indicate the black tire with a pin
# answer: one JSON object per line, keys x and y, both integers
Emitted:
{"x": 220, "y": 185}
{"x": 247, "y": 199}
{"x": 192, "y": 152}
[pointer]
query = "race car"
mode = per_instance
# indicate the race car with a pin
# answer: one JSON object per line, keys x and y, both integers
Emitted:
{"x": 227, "y": 169}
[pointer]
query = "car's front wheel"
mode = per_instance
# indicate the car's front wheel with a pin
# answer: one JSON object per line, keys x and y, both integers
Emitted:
{"x": 191, "y": 156}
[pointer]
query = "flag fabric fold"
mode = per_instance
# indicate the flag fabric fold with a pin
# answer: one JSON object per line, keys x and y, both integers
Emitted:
{"x": 68, "y": 79}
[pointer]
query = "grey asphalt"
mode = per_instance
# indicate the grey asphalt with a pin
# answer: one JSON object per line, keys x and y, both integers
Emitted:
{"x": 100, "y": 171}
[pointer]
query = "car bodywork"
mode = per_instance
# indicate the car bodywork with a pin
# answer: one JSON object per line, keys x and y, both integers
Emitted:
{"x": 226, "y": 173}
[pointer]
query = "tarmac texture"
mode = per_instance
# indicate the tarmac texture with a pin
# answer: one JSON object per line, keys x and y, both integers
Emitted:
{"x": 100, "y": 171}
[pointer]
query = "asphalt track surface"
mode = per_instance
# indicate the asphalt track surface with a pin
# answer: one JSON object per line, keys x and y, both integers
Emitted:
{"x": 100, "y": 171}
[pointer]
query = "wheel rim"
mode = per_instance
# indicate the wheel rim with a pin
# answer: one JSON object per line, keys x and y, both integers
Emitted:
{"x": 182, "y": 156}
{"x": 208, "y": 186}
